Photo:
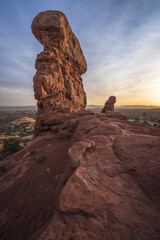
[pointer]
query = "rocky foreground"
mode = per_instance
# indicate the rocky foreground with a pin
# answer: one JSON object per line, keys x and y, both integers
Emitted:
{"x": 85, "y": 175}
{"x": 99, "y": 180}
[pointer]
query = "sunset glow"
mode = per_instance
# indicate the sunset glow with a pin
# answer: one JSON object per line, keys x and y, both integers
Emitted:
{"x": 120, "y": 40}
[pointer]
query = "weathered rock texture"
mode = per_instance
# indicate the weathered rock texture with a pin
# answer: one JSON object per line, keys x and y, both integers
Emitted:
{"x": 100, "y": 180}
{"x": 109, "y": 105}
{"x": 113, "y": 192}
{"x": 58, "y": 81}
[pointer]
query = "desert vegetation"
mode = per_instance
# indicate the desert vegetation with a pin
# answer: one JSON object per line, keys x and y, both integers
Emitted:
{"x": 10, "y": 146}
{"x": 16, "y": 130}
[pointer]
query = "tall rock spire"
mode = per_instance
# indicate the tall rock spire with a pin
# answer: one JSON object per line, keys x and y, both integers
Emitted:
{"x": 58, "y": 81}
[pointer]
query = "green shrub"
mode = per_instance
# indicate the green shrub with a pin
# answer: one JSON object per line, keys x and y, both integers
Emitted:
{"x": 11, "y": 145}
{"x": 40, "y": 159}
{"x": 25, "y": 142}
{"x": 137, "y": 119}
{"x": 3, "y": 168}
{"x": 25, "y": 134}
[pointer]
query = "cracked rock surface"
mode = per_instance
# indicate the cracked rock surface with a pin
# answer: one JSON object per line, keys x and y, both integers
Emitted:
{"x": 113, "y": 192}
{"x": 100, "y": 180}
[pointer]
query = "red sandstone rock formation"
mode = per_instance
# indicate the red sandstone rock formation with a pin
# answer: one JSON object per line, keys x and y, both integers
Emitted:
{"x": 113, "y": 192}
{"x": 109, "y": 109}
{"x": 99, "y": 181}
{"x": 58, "y": 81}
{"x": 109, "y": 105}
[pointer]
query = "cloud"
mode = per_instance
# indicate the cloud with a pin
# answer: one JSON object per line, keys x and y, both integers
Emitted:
{"x": 122, "y": 63}
{"x": 119, "y": 38}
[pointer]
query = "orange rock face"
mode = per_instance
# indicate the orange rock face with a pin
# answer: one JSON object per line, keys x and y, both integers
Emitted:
{"x": 113, "y": 192}
{"x": 99, "y": 181}
{"x": 59, "y": 67}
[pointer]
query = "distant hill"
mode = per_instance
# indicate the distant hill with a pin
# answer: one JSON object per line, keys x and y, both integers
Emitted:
{"x": 137, "y": 107}
{"x": 94, "y": 106}
{"x": 27, "y": 108}
{"x": 126, "y": 107}
{"x": 18, "y": 108}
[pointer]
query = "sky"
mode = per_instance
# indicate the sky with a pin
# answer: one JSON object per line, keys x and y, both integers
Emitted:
{"x": 119, "y": 38}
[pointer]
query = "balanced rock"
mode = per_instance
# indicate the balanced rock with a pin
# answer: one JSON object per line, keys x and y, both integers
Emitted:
{"x": 58, "y": 82}
{"x": 109, "y": 105}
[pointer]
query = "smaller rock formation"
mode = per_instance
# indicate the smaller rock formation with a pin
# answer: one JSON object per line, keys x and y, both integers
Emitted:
{"x": 109, "y": 109}
{"x": 109, "y": 105}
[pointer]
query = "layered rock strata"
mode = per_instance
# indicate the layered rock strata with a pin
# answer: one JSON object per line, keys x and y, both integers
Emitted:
{"x": 58, "y": 81}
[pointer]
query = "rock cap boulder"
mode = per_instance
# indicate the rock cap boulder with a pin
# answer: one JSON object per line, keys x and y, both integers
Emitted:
{"x": 52, "y": 30}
